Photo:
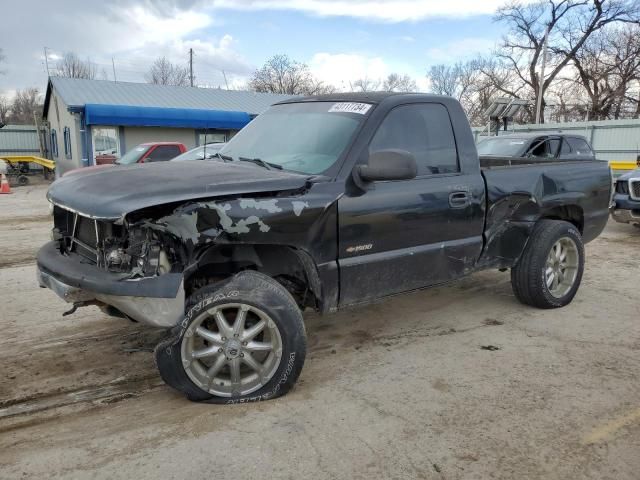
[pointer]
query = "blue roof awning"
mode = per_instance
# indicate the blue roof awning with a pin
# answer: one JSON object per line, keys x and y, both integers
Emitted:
{"x": 131, "y": 116}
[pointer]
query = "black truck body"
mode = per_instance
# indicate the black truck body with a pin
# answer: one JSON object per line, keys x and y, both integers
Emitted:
{"x": 331, "y": 238}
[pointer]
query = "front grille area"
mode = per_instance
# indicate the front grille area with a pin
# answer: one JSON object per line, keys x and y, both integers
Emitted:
{"x": 82, "y": 235}
{"x": 634, "y": 189}
{"x": 85, "y": 238}
{"x": 622, "y": 187}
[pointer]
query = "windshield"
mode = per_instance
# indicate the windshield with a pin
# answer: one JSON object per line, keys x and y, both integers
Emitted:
{"x": 503, "y": 147}
{"x": 303, "y": 137}
{"x": 200, "y": 153}
{"x": 132, "y": 156}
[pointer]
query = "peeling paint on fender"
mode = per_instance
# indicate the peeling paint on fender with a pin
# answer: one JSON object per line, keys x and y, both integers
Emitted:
{"x": 268, "y": 205}
{"x": 298, "y": 206}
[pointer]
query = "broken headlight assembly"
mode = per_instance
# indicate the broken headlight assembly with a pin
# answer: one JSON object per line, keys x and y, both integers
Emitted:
{"x": 140, "y": 252}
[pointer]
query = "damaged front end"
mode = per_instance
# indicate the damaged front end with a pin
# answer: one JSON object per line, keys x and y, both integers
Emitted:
{"x": 118, "y": 247}
{"x": 122, "y": 266}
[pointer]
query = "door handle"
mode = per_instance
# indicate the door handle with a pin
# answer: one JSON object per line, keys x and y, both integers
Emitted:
{"x": 459, "y": 199}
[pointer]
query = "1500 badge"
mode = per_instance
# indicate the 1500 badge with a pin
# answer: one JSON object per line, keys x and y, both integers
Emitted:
{"x": 359, "y": 248}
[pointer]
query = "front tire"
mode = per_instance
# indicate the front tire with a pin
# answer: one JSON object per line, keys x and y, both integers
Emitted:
{"x": 549, "y": 272}
{"x": 242, "y": 340}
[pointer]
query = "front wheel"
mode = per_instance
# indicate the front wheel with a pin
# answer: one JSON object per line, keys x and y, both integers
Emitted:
{"x": 549, "y": 272}
{"x": 241, "y": 340}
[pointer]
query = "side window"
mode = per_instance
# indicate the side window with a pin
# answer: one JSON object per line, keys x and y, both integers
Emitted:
{"x": 67, "y": 142}
{"x": 164, "y": 152}
{"x": 538, "y": 147}
{"x": 423, "y": 130}
{"x": 565, "y": 150}
{"x": 580, "y": 147}
{"x": 54, "y": 143}
{"x": 552, "y": 147}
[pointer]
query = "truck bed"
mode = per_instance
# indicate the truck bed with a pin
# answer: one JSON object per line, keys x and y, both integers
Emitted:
{"x": 521, "y": 190}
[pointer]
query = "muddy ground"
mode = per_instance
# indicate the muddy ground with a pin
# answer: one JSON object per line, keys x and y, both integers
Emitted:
{"x": 455, "y": 382}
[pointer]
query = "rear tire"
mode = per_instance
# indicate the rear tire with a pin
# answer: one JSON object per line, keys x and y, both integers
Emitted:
{"x": 549, "y": 272}
{"x": 242, "y": 340}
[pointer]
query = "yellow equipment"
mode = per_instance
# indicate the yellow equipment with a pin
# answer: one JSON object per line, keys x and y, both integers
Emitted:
{"x": 624, "y": 165}
{"x": 19, "y": 167}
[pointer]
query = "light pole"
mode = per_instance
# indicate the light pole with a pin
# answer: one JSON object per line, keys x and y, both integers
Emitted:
{"x": 541, "y": 77}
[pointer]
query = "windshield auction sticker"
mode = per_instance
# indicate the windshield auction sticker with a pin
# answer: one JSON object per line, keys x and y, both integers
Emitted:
{"x": 350, "y": 107}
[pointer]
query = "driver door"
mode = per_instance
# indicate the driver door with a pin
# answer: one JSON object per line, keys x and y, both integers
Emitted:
{"x": 407, "y": 234}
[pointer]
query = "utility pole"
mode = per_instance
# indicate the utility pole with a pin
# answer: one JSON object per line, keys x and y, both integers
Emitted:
{"x": 46, "y": 61}
{"x": 541, "y": 77}
{"x": 225, "y": 79}
{"x": 113, "y": 64}
{"x": 191, "y": 65}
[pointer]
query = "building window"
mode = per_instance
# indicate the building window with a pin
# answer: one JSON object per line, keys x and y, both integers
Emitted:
{"x": 54, "y": 143}
{"x": 67, "y": 142}
{"x": 211, "y": 136}
{"x": 106, "y": 144}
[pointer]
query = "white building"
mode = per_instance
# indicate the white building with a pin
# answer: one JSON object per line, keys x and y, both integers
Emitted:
{"x": 89, "y": 118}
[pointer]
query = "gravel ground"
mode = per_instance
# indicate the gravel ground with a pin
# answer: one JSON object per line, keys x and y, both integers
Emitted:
{"x": 455, "y": 382}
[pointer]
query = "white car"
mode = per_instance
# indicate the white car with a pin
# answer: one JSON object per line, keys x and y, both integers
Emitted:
{"x": 204, "y": 152}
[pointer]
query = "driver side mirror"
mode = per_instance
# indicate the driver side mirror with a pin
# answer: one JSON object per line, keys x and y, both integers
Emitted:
{"x": 388, "y": 165}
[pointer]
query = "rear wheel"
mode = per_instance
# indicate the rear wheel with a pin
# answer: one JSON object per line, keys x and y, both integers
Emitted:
{"x": 242, "y": 340}
{"x": 549, "y": 272}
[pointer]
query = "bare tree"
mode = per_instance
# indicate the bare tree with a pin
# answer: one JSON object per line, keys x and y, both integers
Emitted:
{"x": 5, "y": 108}
{"x": 445, "y": 79}
{"x": 72, "y": 66}
{"x": 399, "y": 83}
{"x": 365, "y": 84}
{"x": 475, "y": 83}
{"x": 25, "y": 104}
{"x": 163, "y": 72}
{"x": 569, "y": 23}
{"x": 607, "y": 66}
{"x": 281, "y": 74}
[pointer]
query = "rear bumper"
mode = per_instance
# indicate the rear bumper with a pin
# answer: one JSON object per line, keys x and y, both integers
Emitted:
{"x": 156, "y": 301}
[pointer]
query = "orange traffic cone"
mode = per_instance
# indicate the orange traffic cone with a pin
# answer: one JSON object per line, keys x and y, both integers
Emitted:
{"x": 4, "y": 185}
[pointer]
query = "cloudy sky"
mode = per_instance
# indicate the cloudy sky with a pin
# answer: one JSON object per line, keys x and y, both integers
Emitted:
{"x": 341, "y": 40}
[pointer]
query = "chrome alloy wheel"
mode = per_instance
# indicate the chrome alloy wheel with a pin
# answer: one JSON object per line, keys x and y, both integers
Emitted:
{"x": 561, "y": 268}
{"x": 231, "y": 349}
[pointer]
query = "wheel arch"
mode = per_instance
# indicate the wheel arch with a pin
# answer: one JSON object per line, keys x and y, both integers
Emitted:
{"x": 292, "y": 267}
{"x": 510, "y": 224}
{"x": 571, "y": 213}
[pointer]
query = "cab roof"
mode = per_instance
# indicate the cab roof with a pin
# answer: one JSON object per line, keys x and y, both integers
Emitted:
{"x": 364, "y": 97}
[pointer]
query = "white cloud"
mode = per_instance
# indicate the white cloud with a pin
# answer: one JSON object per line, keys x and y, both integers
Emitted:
{"x": 459, "y": 50}
{"x": 132, "y": 32}
{"x": 143, "y": 26}
{"x": 342, "y": 69}
{"x": 380, "y": 10}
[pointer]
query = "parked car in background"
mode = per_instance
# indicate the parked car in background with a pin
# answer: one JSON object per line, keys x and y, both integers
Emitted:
{"x": 204, "y": 152}
{"x": 626, "y": 198}
{"x": 553, "y": 146}
{"x": 152, "y": 152}
{"x": 143, "y": 153}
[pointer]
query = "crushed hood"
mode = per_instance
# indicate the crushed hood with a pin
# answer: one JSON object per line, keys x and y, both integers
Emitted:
{"x": 111, "y": 193}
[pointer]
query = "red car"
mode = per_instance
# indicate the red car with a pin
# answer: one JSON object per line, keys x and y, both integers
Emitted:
{"x": 145, "y": 152}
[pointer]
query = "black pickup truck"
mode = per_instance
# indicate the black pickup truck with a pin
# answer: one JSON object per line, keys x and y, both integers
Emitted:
{"x": 321, "y": 202}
